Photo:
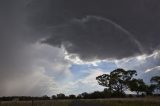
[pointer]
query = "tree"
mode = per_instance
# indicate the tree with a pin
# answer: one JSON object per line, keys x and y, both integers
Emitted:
{"x": 53, "y": 96}
{"x": 85, "y": 95}
{"x": 156, "y": 82}
{"x": 117, "y": 81}
{"x": 45, "y": 97}
{"x": 150, "y": 89}
{"x": 79, "y": 96}
{"x": 156, "y": 79}
{"x": 61, "y": 96}
{"x": 106, "y": 93}
{"x": 72, "y": 96}
{"x": 96, "y": 94}
{"x": 138, "y": 86}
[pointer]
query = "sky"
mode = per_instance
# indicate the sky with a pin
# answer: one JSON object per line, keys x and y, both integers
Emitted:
{"x": 61, "y": 46}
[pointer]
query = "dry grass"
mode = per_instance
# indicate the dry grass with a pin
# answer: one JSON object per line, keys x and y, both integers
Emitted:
{"x": 149, "y": 101}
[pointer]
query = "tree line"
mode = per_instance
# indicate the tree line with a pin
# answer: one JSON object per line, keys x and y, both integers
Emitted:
{"x": 115, "y": 83}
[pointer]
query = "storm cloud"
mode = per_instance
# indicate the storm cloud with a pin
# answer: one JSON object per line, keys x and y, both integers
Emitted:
{"x": 37, "y": 35}
{"x": 99, "y": 29}
{"x": 26, "y": 66}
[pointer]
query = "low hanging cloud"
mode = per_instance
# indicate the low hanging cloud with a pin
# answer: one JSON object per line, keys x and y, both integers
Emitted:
{"x": 100, "y": 29}
{"x": 95, "y": 38}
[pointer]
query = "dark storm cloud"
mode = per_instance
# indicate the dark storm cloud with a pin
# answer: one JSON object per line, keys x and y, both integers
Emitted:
{"x": 95, "y": 37}
{"x": 115, "y": 29}
{"x": 13, "y": 59}
{"x": 11, "y": 22}
{"x": 16, "y": 61}
{"x": 93, "y": 29}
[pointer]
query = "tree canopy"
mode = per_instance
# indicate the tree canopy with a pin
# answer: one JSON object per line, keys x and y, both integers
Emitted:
{"x": 156, "y": 82}
{"x": 117, "y": 80}
{"x": 137, "y": 85}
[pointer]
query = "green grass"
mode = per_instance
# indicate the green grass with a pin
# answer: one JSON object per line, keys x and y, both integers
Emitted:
{"x": 89, "y": 102}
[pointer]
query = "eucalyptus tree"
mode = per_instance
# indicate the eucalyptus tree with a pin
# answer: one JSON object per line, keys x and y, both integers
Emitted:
{"x": 156, "y": 82}
{"x": 117, "y": 80}
{"x": 138, "y": 86}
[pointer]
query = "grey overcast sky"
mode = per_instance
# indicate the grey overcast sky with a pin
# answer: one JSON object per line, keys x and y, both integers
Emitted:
{"x": 55, "y": 46}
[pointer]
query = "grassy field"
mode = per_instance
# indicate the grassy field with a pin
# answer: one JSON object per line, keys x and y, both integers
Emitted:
{"x": 88, "y": 102}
